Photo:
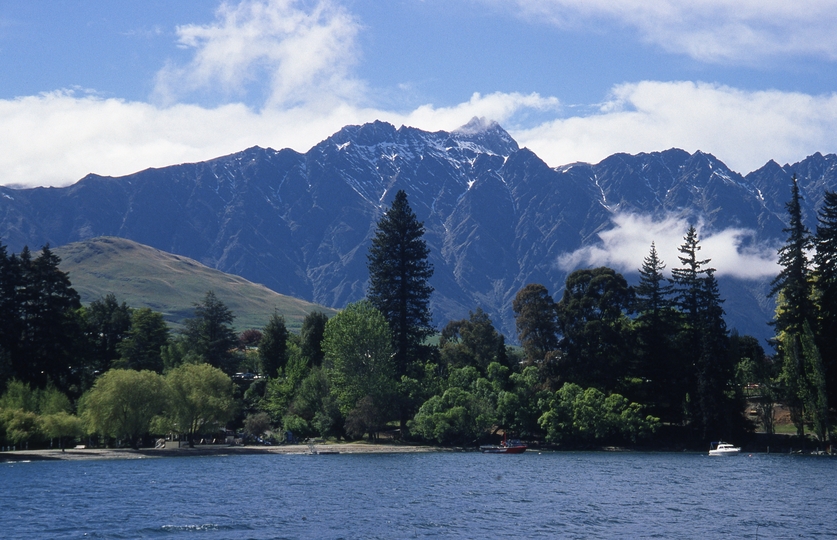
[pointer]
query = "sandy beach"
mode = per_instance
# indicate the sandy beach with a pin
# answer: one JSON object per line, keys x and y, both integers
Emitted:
{"x": 172, "y": 450}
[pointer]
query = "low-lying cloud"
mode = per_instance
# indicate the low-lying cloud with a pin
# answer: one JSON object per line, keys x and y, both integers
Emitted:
{"x": 625, "y": 245}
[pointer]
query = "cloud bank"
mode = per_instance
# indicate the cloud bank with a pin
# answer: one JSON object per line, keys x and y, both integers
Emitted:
{"x": 625, "y": 245}
{"x": 306, "y": 51}
{"x": 725, "y": 31}
{"x": 743, "y": 129}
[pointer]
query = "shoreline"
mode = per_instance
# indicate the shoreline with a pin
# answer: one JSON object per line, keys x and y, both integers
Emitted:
{"x": 84, "y": 454}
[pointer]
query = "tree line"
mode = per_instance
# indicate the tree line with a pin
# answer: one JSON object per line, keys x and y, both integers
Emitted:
{"x": 608, "y": 363}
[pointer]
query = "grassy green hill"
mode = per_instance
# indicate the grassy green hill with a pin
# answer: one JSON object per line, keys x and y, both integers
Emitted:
{"x": 142, "y": 276}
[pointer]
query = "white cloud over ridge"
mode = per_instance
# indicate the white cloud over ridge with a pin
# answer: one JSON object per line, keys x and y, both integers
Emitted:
{"x": 625, "y": 245}
{"x": 306, "y": 51}
{"x": 736, "y": 31}
{"x": 744, "y": 129}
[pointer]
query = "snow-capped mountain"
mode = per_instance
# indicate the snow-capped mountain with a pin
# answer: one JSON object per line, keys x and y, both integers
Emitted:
{"x": 497, "y": 217}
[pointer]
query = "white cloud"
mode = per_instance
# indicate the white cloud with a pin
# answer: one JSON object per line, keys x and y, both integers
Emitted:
{"x": 306, "y": 54}
{"x": 57, "y": 138}
{"x": 306, "y": 50}
{"x": 709, "y": 30}
{"x": 743, "y": 129}
{"x": 625, "y": 245}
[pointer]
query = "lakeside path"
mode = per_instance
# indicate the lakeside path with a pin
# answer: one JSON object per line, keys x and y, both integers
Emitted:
{"x": 171, "y": 450}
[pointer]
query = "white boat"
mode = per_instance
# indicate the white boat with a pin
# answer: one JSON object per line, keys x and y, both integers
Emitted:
{"x": 723, "y": 449}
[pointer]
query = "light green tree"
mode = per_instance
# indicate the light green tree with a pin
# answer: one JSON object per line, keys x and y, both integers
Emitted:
{"x": 358, "y": 357}
{"x": 61, "y": 425}
{"x": 578, "y": 415}
{"x": 123, "y": 403}
{"x": 200, "y": 397}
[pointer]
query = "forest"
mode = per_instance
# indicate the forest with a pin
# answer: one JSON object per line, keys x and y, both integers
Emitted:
{"x": 651, "y": 365}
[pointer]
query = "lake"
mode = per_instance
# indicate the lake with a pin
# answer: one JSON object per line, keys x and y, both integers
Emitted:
{"x": 428, "y": 495}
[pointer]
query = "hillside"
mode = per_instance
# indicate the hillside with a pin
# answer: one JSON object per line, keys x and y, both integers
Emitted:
{"x": 142, "y": 276}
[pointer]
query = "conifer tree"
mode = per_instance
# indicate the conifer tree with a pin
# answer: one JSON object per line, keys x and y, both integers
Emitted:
{"x": 792, "y": 287}
{"x": 825, "y": 288}
{"x": 794, "y": 280}
{"x": 273, "y": 347}
{"x": 399, "y": 275}
{"x": 704, "y": 358}
{"x": 656, "y": 324}
{"x": 311, "y": 337}
{"x": 50, "y": 330}
{"x": 210, "y": 333}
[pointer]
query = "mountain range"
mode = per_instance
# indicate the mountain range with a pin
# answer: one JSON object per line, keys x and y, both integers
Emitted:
{"x": 496, "y": 215}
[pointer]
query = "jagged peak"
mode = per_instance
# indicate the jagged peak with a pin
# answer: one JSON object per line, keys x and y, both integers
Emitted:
{"x": 477, "y": 124}
{"x": 485, "y": 136}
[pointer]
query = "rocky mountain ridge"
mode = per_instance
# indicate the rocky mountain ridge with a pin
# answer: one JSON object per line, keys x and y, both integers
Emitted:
{"x": 497, "y": 216}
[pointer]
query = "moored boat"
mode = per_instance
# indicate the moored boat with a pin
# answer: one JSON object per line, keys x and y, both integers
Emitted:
{"x": 721, "y": 448}
{"x": 511, "y": 446}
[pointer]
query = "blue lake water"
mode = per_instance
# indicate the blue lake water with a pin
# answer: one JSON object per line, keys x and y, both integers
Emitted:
{"x": 439, "y": 495}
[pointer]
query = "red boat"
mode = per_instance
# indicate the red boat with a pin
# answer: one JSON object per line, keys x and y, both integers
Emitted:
{"x": 511, "y": 446}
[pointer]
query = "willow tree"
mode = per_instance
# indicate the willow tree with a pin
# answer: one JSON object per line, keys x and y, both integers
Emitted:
{"x": 359, "y": 359}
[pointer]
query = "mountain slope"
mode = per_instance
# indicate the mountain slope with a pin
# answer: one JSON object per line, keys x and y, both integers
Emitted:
{"x": 497, "y": 217}
{"x": 142, "y": 276}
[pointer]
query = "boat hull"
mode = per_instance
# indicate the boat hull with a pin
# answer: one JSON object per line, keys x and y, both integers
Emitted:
{"x": 503, "y": 449}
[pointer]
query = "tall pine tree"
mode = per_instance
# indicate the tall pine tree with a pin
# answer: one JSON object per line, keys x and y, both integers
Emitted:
{"x": 825, "y": 288}
{"x": 794, "y": 306}
{"x": 703, "y": 343}
{"x": 399, "y": 275}
{"x": 656, "y": 323}
{"x": 793, "y": 284}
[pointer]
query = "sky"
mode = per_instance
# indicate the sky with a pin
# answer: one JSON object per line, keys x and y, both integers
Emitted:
{"x": 95, "y": 86}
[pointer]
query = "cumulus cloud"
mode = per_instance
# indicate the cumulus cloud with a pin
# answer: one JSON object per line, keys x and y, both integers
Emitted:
{"x": 740, "y": 31}
{"x": 625, "y": 245}
{"x": 306, "y": 54}
{"x": 742, "y": 128}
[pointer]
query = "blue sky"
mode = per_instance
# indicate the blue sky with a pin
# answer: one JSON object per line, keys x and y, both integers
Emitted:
{"x": 116, "y": 87}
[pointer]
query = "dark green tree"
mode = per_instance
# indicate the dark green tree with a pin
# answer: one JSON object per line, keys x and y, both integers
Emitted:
{"x": 142, "y": 346}
{"x": 107, "y": 323}
{"x": 719, "y": 401}
{"x": 792, "y": 288}
{"x": 399, "y": 274}
{"x": 311, "y": 337}
{"x": 472, "y": 342}
{"x": 592, "y": 314}
{"x": 793, "y": 284}
{"x": 210, "y": 333}
{"x": 825, "y": 289}
{"x": 273, "y": 347}
{"x": 10, "y": 322}
{"x": 50, "y": 328}
{"x": 536, "y": 319}
{"x": 656, "y": 323}
{"x": 688, "y": 286}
